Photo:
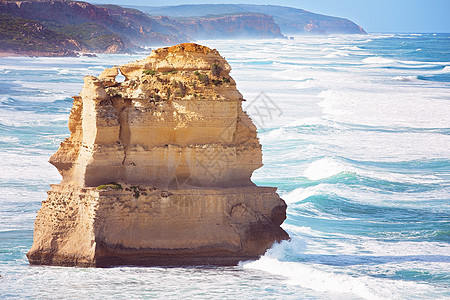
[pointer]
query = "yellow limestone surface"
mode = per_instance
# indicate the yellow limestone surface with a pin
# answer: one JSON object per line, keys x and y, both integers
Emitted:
{"x": 177, "y": 151}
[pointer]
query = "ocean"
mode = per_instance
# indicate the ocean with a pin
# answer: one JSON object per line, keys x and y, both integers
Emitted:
{"x": 355, "y": 131}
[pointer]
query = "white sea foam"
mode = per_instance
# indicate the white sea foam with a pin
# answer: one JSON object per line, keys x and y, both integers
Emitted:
{"x": 338, "y": 53}
{"x": 275, "y": 135}
{"x": 324, "y": 168}
{"x": 308, "y": 83}
{"x": 312, "y": 242}
{"x": 382, "y": 36}
{"x": 405, "y": 78}
{"x": 326, "y": 49}
{"x": 353, "y": 48}
{"x": 50, "y": 87}
{"x": 64, "y": 72}
{"x": 351, "y": 252}
{"x": 15, "y": 118}
{"x": 373, "y": 196}
{"x": 325, "y": 279}
{"x": 310, "y": 121}
{"x": 28, "y": 167}
{"x": 309, "y": 209}
{"x": 3, "y": 99}
{"x": 8, "y": 139}
{"x": 374, "y": 105}
{"x": 446, "y": 69}
{"x": 300, "y": 194}
{"x": 23, "y": 67}
{"x": 377, "y": 60}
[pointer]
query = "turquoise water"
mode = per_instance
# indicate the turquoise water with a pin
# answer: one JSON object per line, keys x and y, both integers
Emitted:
{"x": 355, "y": 133}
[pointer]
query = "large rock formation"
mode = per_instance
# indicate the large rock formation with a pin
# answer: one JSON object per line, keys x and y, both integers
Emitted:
{"x": 157, "y": 170}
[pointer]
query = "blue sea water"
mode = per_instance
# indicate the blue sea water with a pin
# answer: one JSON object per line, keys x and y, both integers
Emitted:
{"x": 355, "y": 133}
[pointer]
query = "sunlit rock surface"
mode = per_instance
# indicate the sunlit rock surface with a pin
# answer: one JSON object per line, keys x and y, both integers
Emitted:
{"x": 157, "y": 170}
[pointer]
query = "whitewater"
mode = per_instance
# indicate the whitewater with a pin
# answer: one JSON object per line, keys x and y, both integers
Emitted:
{"x": 355, "y": 133}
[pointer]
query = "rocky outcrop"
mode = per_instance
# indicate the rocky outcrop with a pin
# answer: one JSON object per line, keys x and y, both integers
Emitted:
{"x": 157, "y": 170}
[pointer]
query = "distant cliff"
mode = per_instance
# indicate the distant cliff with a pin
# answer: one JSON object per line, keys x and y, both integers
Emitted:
{"x": 61, "y": 27}
{"x": 290, "y": 20}
{"x": 237, "y": 25}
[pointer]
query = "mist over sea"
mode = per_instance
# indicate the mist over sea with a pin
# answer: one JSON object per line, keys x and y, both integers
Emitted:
{"x": 355, "y": 133}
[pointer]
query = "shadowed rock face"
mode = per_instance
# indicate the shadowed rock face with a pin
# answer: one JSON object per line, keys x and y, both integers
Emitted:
{"x": 157, "y": 170}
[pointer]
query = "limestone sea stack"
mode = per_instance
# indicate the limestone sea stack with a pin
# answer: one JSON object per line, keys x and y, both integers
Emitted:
{"x": 157, "y": 170}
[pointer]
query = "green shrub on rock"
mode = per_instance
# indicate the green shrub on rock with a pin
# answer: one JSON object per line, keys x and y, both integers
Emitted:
{"x": 203, "y": 78}
{"x": 111, "y": 185}
{"x": 149, "y": 72}
{"x": 215, "y": 69}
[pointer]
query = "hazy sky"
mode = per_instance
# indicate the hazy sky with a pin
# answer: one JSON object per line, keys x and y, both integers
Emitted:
{"x": 372, "y": 15}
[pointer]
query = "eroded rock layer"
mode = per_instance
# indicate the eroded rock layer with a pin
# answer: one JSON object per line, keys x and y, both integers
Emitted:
{"x": 157, "y": 170}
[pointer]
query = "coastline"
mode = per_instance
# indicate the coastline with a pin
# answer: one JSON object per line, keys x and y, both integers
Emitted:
{"x": 46, "y": 54}
{"x": 9, "y": 54}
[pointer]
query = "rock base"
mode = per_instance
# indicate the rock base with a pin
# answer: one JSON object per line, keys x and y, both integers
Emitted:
{"x": 147, "y": 226}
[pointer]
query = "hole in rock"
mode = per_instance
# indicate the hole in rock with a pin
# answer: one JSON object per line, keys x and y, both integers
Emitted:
{"x": 120, "y": 78}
